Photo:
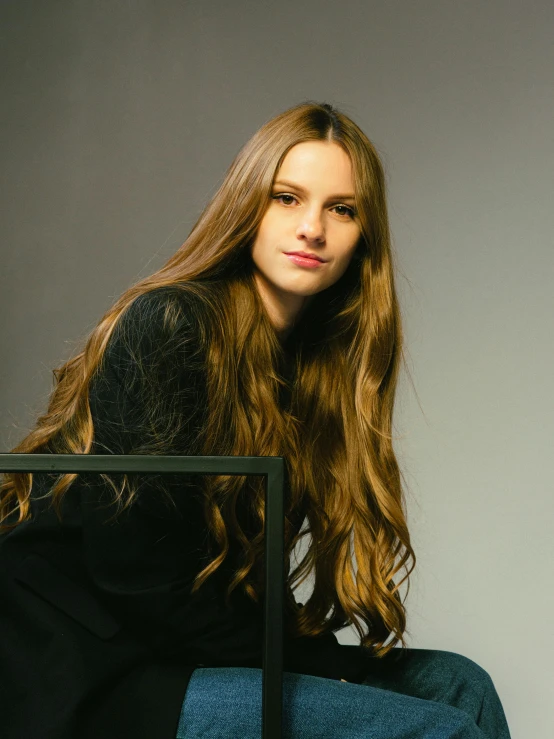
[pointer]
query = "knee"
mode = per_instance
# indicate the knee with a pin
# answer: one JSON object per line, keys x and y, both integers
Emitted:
{"x": 465, "y": 669}
{"x": 462, "y": 725}
{"x": 454, "y": 721}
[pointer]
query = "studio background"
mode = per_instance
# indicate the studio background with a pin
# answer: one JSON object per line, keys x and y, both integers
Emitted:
{"x": 118, "y": 122}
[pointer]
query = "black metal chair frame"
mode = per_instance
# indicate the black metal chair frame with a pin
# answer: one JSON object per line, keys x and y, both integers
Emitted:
{"x": 272, "y": 469}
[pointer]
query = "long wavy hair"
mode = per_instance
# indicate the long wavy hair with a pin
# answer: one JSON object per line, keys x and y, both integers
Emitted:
{"x": 336, "y": 433}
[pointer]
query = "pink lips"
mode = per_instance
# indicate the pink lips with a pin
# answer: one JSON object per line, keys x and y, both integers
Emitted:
{"x": 305, "y": 255}
{"x": 304, "y": 261}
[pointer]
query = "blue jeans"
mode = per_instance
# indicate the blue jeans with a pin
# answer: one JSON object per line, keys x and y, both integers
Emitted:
{"x": 418, "y": 694}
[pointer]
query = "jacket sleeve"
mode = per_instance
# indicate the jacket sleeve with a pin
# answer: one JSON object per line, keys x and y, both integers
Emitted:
{"x": 142, "y": 565}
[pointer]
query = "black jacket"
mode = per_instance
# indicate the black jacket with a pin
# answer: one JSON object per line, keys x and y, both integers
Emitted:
{"x": 99, "y": 633}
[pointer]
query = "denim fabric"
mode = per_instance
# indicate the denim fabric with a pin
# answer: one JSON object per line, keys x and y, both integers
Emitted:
{"x": 413, "y": 694}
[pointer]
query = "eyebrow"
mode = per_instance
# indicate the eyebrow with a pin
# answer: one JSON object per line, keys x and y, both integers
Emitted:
{"x": 348, "y": 196}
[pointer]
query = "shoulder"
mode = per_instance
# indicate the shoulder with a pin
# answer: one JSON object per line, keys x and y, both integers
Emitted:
{"x": 157, "y": 320}
{"x": 166, "y": 307}
{"x": 149, "y": 380}
{"x": 156, "y": 336}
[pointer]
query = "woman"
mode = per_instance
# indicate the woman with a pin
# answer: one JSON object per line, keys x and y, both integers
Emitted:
{"x": 134, "y": 608}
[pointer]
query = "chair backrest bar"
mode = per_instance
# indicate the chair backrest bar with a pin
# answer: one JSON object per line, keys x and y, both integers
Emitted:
{"x": 272, "y": 469}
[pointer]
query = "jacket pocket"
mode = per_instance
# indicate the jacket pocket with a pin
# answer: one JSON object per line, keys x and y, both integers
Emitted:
{"x": 65, "y": 594}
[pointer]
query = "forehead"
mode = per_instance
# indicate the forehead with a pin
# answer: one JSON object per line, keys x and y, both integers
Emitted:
{"x": 313, "y": 162}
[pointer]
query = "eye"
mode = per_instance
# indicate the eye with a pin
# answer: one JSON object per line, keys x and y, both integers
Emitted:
{"x": 350, "y": 212}
{"x": 279, "y": 197}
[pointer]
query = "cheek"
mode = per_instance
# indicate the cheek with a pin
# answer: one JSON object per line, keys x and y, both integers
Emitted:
{"x": 261, "y": 248}
{"x": 267, "y": 236}
{"x": 269, "y": 224}
{"x": 344, "y": 263}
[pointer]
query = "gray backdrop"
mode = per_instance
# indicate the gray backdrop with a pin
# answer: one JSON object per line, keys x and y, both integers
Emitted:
{"x": 118, "y": 123}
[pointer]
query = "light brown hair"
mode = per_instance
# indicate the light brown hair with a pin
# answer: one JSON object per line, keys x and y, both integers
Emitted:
{"x": 336, "y": 435}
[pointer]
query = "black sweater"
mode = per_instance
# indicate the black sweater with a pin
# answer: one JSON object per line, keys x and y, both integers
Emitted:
{"x": 99, "y": 633}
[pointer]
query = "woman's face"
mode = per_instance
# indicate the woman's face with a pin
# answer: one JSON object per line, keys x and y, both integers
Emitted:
{"x": 311, "y": 210}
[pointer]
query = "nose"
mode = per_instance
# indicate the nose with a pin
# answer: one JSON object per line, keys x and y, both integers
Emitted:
{"x": 311, "y": 226}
